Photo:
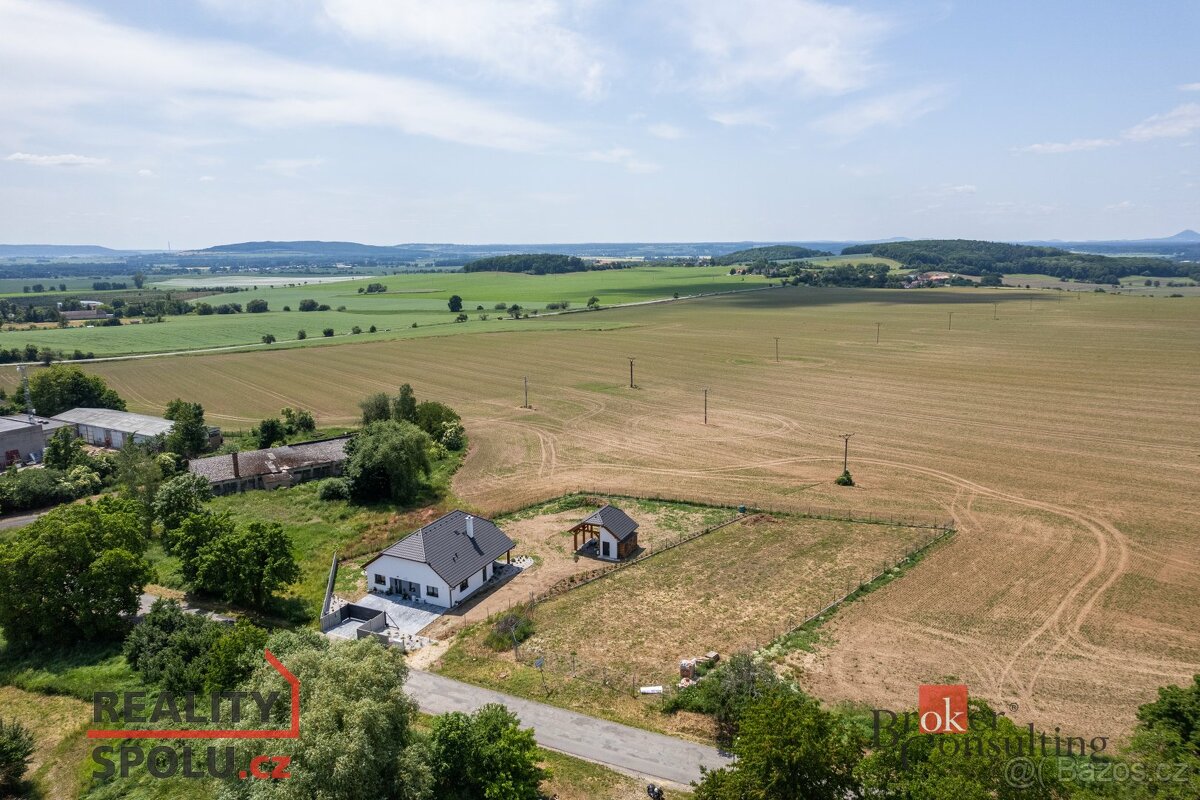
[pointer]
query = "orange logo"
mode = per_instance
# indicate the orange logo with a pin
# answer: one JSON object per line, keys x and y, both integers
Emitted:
{"x": 942, "y": 708}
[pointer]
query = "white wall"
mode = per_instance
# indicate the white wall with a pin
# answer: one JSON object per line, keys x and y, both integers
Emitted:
{"x": 605, "y": 536}
{"x": 391, "y": 567}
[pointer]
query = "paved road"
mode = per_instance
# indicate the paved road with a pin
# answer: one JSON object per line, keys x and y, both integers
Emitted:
{"x": 19, "y": 520}
{"x": 630, "y": 750}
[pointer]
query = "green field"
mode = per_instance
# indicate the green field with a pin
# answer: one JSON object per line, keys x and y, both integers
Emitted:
{"x": 419, "y": 299}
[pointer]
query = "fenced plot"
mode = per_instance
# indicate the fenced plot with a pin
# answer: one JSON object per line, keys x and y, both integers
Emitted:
{"x": 734, "y": 588}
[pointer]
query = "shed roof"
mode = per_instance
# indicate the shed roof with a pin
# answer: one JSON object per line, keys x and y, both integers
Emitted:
{"x": 444, "y": 545}
{"x": 122, "y": 421}
{"x": 272, "y": 460}
{"x": 614, "y": 520}
{"x": 10, "y": 422}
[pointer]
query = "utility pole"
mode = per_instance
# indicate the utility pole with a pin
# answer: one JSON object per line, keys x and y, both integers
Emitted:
{"x": 950, "y": 324}
{"x": 631, "y": 360}
{"x": 706, "y": 406}
{"x": 846, "y": 451}
{"x": 995, "y": 309}
{"x": 877, "y": 333}
{"x": 776, "y": 349}
{"x": 526, "y": 379}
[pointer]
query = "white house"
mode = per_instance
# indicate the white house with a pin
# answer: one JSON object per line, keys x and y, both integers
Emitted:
{"x": 443, "y": 563}
{"x": 614, "y": 532}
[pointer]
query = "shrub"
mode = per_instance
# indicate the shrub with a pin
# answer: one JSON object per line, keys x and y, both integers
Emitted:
{"x": 34, "y": 488}
{"x": 256, "y": 306}
{"x": 309, "y": 305}
{"x": 500, "y": 306}
{"x": 16, "y": 748}
{"x": 268, "y": 339}
{"x": 511, "y": 625}
{"x": 341, "y": 308}
{"x": 432, "y": 417}
{"x": 301, "y": 334}
{"x": 333, "y": 489}
{"x": 454, "y": 436}
{"x": 461, "y": 318}
{"x": 356, "y": 330}
{"x": 327, "y": 332}
{"x": 371, "y": 329}
{"x": 844, "y": 479}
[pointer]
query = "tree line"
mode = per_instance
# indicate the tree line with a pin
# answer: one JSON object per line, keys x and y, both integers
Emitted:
{"x": 973, "y": 257}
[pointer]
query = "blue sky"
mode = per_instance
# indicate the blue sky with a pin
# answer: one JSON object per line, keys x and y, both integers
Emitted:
{"x": 131, "y": 122}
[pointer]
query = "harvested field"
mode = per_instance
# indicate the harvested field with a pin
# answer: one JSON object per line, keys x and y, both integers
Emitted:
{"x": 1057, "y": 435}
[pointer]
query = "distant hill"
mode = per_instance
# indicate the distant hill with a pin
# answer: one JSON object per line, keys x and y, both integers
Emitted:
{"x": 1188, "y": 235}
{"x": 973, "y": 257}
{"x": 59, "y": 251}
{"x": 776, "y": 252}
{"x": 307, "y": 248}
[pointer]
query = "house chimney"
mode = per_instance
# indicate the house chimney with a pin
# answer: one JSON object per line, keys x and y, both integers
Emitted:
{"x": 237, "y": 473}
{"x": 470, "y": 526}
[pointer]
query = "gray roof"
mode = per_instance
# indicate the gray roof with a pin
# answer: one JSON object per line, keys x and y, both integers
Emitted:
{"x": 271, "y": 461}
{"x": 10, "y": 422}
{"x": 122, "y": 421}
{"x": 614, "y": 520}
{"x": 444, "y": 545}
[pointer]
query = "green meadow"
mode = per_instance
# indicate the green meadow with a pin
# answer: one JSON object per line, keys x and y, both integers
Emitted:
{"x": 413, "y": 305}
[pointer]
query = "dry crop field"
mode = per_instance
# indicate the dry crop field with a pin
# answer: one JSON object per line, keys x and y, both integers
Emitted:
{"x": 1059, "y": 435}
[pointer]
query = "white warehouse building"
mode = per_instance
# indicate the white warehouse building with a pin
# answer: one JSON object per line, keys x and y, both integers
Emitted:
{"x": 443, "y": 563}
{"x": 105, "y": 427}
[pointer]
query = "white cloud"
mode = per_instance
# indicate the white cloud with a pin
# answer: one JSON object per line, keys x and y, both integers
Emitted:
{"x": 664, "y": 130}
{"x": 745, "y": 116}
{"x": 962, "y": 188}
{"x": 289, "y": 167}
{"x": 1183, "y": 120}
{"x": 624, "y": 157}
{"x": 529, "y": 41}
{"x": 1075, "y": 145}
{"x": 1177, "y": 123}
{"x": 1124, "y": 205}
{"x": 814, "y": 46}
{"x": 207, "y": 179}
{"x": 890, "y": 110}
{"x": 1190, "y": 87}
{"x": 61, "y": 160}
{"x": 57, "y": 57}
{"x": 147, "y": 173}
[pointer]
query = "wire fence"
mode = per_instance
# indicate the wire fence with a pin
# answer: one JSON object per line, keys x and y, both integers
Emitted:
{"x": 631, "y": 679}
{"x": 908, "y": 519}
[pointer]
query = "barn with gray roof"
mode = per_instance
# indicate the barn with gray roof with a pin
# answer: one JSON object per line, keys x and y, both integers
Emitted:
{"x": 442, "y": 563}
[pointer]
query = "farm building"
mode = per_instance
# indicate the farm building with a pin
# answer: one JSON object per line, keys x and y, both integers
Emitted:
{"x": 104, "y": 427}
{"x": 610, "y": 531}
{"x": 274, "y": 467}
{"x": 22, "y": 441}
{"x": 443, "y": 563}
{"x": 90, "y": 313}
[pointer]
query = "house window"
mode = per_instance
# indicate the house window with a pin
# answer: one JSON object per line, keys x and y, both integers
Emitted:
{"x": 462, "y": 587}
{"x": 431, "y": 591}
{"x": 380, "y": 579}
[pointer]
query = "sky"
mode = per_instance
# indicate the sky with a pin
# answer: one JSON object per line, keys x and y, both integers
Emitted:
{"x": 134, "y": 123}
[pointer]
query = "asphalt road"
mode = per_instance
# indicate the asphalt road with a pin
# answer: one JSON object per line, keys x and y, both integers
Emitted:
{"x": 629, "y": 750}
